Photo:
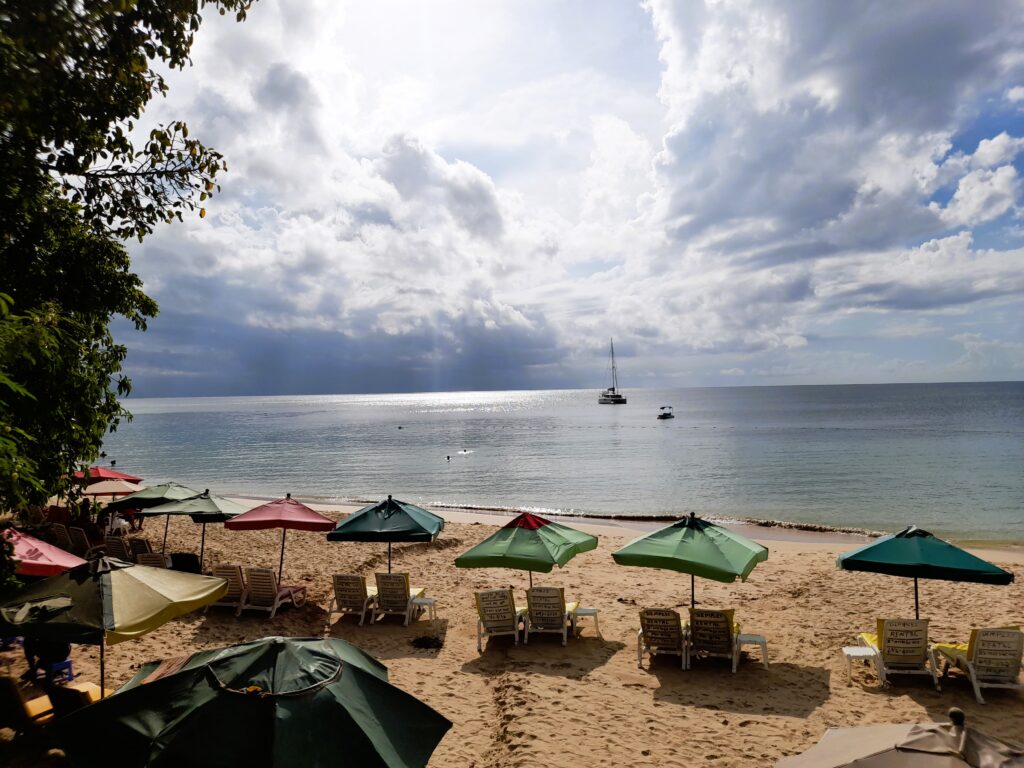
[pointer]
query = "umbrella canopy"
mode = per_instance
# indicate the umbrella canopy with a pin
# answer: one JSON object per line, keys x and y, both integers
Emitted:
{"x": 201, "y": 507}
{"x": 37, "y": 558}
{"x": 696, "y": 547}
{"x": 96, "y": 474}
{"x": 279, "y": 701}
{"x": 391, "y": 520}
{"x": 529, "y": 543}
{"x": 286, "y": 514}
{"x": 111, "y": 488}
{"x": 153, "y": 496}
{"x": 931, "y": 745}
{"x": 106, "y": 601}
{"x": 916, "y": 554}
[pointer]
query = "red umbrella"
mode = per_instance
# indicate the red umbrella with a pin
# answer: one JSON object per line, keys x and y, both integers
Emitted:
{"x": 102, "y": 473}
{"x": 286, "y": 513}
{"x": 37, "y": 558}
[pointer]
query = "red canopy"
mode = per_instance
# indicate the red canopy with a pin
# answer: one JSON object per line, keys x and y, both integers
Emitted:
{"x": 283, "y": 513}
{"x": 528, "y": 521}
{"x": 103, "y": 473}
{"x": 37, "y": 558}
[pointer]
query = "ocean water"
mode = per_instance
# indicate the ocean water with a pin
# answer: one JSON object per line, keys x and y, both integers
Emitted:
{"x": 946, "y": 457}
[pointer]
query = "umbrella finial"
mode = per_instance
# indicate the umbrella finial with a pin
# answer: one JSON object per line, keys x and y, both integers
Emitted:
{"x": 287, "y": 495}
{"x": 956, "y": 717}
{"x": 389, "y": 497}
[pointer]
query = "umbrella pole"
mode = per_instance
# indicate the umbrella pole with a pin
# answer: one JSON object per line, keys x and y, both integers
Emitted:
{"x": 389, "y": 557}
{"x": 163, "y": 549}
{"x": 917, "y": 605}
{"x": 280, "y": 566}
{"x": 693, "y": 601}
{"x": 531, "y": 579}
{"x": 202, "y": 548}
{"x": 103, "y": 669}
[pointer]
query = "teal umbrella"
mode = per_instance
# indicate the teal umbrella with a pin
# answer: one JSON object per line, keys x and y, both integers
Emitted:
{"x": 917, "y": 554}
{"x": 391, "y": 520}
{"x": 278, "y": 701}
{"x": 203, "y": 508}
{"x": 696, "y": 547}
{"x": 528, "y": 543}
{"x": 152, "y": 496}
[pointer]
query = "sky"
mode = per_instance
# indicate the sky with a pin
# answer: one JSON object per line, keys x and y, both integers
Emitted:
{"x": 479, "y": 195}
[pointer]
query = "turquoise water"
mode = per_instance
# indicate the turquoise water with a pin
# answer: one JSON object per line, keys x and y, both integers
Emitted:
{"x": 947, "y": 457}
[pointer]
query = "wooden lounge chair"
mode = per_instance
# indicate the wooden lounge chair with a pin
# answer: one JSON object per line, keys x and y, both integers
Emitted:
{"x": 80, "y": 544}
{"x": 547, "y": 611}
{"x": 991, "y": 658}
{"x": 139, "y": 547}
{"x": 152, "y": 559}
{"x": 395, "y": 596}
{"x": 715, "y": 633}
{"x": 117, "y": 547}
{"x": 264, "y": 593}
{"x": 18, "y": 713}
{"x": 901, "y": 648}
{"x": 498, "y": 615}
{"x": 237, "y": 590}
{"x": 63, "y": 538}
{"x": 351, "y": 595}
{"x": 661, "y": 631}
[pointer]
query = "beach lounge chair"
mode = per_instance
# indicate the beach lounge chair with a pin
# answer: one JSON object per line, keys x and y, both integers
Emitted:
{"x": 901, "y": 648}
{"x": 117, "y": 547}
{"x": 394, "y": 595}
{"x": 498, "y": 615}
{"x": 80, "y": 544}
{"x": 712, "y": 633}
{"x": 661, "y": 631}
{"x": 18, "y": 713}
{"x": 991, "y": 658}
{"x": 139, "y": 547}
{"x": 70, "y": 698}
{"x": 547, "y": 611}
{"x": 237, "y": 591}
{"x": 152, "y": 559}
{"x": 63, "y": 539}
{"x": 351, "y": 595}
{"x": 264, "y": 593}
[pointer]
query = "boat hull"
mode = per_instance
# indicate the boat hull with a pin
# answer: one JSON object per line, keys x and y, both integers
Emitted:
{"x": 611, "y": 400}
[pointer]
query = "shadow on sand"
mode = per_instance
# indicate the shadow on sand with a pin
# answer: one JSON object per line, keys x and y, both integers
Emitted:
{"x": 543, "y": 656}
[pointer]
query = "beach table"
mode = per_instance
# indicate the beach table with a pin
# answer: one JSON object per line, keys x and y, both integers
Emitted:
{"x": 852, "y": 652}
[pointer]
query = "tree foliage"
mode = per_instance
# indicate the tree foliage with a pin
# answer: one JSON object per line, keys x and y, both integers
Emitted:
{"x": 75, "y": 77}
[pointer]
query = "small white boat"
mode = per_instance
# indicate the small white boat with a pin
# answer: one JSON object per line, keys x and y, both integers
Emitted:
{"x": 666, "y": 412}
{"x": 612, "y": 396}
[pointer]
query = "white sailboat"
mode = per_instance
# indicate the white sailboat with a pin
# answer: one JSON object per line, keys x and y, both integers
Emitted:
{"x": 612, "y": 396}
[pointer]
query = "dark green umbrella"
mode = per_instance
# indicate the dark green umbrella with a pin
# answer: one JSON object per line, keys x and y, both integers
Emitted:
{"x": 279, "y": 701}
{"x": 391, "y": 520}
{"x": 152, "y": 496}
{"x": 528, "y": 543}
{"x": 203, "y": 508}
{"x": 914, "y": 553}
{"x": 696, "y": 547}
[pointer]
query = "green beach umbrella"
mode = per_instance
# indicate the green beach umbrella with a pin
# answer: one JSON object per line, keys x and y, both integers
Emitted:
{"x": 152, "y": 496}
{"x": 528, "y": 543}
{"x": 392, "y": 521}
{"x": 917, "y": 554}
{"x": 203, "y": 508}
{"x": 280, "y": 701}
{"x": 696, "y": 547}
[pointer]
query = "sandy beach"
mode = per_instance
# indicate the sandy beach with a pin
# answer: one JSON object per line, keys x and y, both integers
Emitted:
{"x": 588, "y": 703}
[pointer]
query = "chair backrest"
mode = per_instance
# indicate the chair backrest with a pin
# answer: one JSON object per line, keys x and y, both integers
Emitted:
{"x": 233, "y": 575}
{"x": 662, "y": 628}
{"x": 66, "y": 700}
{"x": 546, "y": 606}
{"x": 392, "y": 591}
{"x": 350, "y": 591}
{"x": 497, "y": 610}
{"x": 711, "y": 631}
{"x": 116, "y": 547}
{"x": 903, "y": 642}
{"x": 139, "y": 546}
{"x": 79, "y": 541}
{"x": 60, "y": 532}
{"x": 262, "y": 586}
{"x": 996, "y": 653}
{"x": 13, "y": 712}
{"x": 152, "y": 559}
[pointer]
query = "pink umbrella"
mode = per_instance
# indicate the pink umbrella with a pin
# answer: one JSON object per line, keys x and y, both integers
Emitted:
{"x": 96, "y": 474}
{"x": 284, "y": 514}
{"x": 37, "y": 558}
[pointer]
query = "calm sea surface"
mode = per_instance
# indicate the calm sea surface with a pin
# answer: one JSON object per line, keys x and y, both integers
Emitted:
{"x": 947, "y": 457}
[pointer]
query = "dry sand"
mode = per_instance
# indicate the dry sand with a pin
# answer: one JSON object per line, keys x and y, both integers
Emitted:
{"x": 588, "y": 703}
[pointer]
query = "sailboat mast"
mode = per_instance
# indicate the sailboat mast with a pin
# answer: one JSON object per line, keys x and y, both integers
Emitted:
{"x": 615, "y": 376}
